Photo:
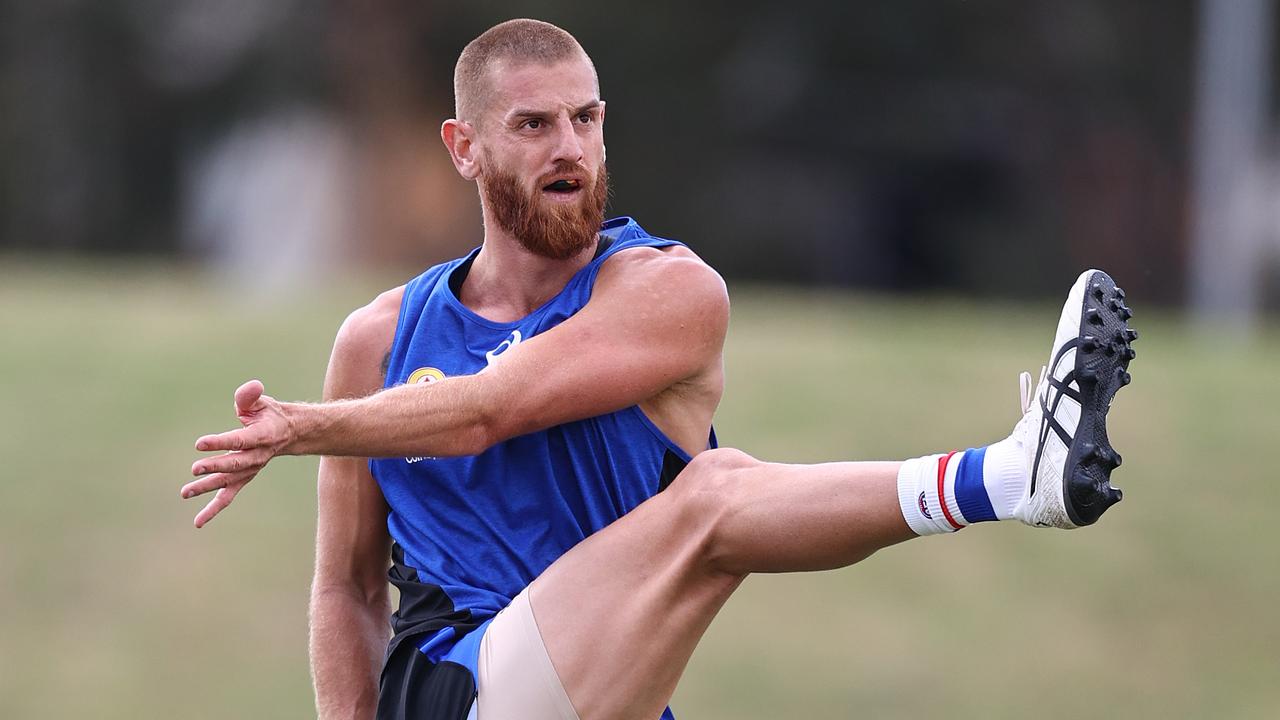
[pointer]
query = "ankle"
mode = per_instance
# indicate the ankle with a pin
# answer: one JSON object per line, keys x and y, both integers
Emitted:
{"x": 944, "y": 493}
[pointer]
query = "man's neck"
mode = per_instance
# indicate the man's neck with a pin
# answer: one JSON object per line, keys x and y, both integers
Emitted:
{"x": 507, "y": 282}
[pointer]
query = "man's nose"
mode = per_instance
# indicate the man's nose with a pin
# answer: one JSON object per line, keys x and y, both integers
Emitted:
{"x": 568, "y": 144}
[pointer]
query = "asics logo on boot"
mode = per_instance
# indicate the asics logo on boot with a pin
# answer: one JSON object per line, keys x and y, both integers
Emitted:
{"x": 1049, "y": 406}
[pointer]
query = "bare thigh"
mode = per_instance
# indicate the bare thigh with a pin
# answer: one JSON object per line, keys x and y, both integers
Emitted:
{"x": 621, "y": 613}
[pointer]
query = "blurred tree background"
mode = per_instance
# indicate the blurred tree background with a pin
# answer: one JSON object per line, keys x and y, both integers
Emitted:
{"x": 973, "y": 145}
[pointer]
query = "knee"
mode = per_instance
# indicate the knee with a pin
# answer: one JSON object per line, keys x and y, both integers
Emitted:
{"x": 711, "y": 476}
{"x": 708, "y": 493}
{"x": 719, "y": 462}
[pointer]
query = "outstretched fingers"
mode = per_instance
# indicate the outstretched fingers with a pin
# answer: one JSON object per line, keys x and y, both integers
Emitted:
{"x": 220, "y": 501}
{"x": 227, "y": 486}
{"x": 216, "y": 481}
{"x": 245, "y": 438}
{"x": 225, "y": 473}
{"x": 233, "y": 462}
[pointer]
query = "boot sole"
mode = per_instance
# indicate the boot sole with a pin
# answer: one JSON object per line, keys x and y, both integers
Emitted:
{"x": 1101, "y": 369}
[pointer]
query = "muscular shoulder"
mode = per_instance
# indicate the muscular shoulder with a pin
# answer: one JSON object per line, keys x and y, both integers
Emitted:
{"x": 358, "y": 364}
{"x": 678, "y": 307}
{"x": 371, "y": 325}
{"x": 672, "y": 281}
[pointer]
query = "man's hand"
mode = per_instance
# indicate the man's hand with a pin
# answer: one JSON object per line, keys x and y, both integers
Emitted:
{"x": 265, "y": 434}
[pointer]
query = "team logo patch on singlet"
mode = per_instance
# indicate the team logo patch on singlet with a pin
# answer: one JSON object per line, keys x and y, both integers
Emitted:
{"x": 423, "y": 375}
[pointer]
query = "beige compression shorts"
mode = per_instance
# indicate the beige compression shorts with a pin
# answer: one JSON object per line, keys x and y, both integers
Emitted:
{"x": 516, "y": 680}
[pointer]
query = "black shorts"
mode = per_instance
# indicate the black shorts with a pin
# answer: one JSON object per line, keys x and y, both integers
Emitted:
{"x": 414, "y": 688}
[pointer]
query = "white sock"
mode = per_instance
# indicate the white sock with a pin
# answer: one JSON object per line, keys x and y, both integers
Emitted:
{"x": 944, "y": 493}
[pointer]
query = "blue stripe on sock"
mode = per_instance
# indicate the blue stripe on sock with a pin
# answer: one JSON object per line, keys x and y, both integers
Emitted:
{"x": 971, "y": 494}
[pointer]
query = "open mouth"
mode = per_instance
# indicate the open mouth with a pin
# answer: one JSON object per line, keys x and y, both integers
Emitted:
{"x": 563, "y": 187}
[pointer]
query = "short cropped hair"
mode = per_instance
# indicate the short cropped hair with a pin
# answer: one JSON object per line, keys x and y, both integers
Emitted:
{"x": 521, "y": 41}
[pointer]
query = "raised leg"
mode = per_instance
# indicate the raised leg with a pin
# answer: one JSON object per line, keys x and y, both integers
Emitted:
{"x": 622, "y": 612}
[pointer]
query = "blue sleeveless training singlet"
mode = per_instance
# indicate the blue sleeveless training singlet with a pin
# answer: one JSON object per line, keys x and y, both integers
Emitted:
{"x": 471, "y": 532}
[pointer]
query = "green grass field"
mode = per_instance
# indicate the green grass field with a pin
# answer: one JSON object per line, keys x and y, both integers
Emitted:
{"x": 112, "y": 606}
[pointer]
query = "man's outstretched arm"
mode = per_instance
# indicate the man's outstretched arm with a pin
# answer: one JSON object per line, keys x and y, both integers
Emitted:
{"x": 349, "y": 599}
{"x": 655, "y": 319}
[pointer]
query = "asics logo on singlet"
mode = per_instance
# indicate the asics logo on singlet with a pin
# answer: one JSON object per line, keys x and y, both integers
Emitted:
{"x": 512, "y": 340}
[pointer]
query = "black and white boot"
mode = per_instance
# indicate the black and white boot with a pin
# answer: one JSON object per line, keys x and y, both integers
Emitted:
{"x": 1063, "y": 430}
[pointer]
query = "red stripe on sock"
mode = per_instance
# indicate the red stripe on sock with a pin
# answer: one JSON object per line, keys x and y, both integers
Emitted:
{"x": 942, "y": 489}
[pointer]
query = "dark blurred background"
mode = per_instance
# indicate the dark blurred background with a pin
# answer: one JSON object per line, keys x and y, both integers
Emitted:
{"x": 987, "y": 147}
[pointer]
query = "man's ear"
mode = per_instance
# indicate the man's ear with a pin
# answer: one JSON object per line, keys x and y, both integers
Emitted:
{"x": 457, "y": 136}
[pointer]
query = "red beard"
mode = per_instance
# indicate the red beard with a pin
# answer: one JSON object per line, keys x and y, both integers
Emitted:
{"x": 552, "y": 230}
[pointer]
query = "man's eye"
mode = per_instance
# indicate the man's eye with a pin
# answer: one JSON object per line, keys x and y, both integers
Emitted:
{"x": 585, "y": 118}
{"x": 533, "y": 124}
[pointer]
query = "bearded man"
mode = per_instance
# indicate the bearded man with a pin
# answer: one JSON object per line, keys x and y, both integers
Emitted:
{"x": 538, "y": 414}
